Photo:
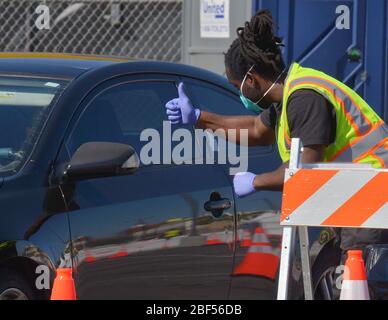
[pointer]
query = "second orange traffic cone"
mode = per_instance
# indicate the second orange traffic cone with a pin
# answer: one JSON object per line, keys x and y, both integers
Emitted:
{"x": 88, "y": 257}
{"x": 120, "y": 254}
{"x": 355, "y": 284}
{"x": 63, "y": 288}
{"x": 213, "y": 239}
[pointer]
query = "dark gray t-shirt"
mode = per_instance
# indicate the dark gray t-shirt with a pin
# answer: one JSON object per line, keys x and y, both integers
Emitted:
{"x": 311, "y": 118}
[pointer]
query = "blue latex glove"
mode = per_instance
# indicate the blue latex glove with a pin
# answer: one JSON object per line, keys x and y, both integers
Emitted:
{"x": 243, "y": 184}
{"x": 181, "y": 110}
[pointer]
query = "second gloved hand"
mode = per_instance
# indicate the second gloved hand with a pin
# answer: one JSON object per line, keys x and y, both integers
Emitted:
{"x": 243, "y": 184}
{"x": 181, "y": 110}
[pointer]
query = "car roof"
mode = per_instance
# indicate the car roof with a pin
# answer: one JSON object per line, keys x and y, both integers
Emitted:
{"x": 53, "y": 64}
{"x": 70, "y": 66}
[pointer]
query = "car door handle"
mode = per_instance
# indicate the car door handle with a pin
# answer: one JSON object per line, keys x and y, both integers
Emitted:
{"x": 217, "y": 205}
{"x": 222, "y": 204}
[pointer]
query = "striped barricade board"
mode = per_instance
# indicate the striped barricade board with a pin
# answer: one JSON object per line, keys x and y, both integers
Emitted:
{"x": 344, "y": 195}
{"x": 354, "y": 197}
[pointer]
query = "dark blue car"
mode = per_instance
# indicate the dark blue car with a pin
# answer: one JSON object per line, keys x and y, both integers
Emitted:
{"x": 74, "y": 193}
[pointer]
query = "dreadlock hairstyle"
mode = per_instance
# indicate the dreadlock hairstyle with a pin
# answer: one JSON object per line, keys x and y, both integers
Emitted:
{"x": 256, "y": 45}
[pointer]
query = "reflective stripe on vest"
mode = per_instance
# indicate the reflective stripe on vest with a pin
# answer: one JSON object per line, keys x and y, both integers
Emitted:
{"x": 362, "y": 146}
{"x": 379, "y": 152}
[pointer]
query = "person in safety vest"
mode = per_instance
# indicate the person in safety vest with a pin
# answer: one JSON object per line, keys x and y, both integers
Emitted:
{"x": 333, "y": 121}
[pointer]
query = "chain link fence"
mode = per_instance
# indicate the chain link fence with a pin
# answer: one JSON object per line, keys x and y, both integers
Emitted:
{"x": 137, "y": 29}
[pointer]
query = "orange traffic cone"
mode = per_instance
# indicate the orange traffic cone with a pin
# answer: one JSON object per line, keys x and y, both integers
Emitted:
{"x": 261, "y": 259}
{"x": 63, "y": 288}
{"x": 355, "y": 284}
{"x": 213, "y": 239}
{"x": 88, "y": 257}
{"x": 120, "y": 254}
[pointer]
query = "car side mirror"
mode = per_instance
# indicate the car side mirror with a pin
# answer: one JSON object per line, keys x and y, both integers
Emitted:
{"x": 94, "y": 160}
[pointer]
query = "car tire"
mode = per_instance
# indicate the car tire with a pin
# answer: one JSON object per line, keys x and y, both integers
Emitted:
{"x": 14, "y": 286}
{"x": 324, "y": 273}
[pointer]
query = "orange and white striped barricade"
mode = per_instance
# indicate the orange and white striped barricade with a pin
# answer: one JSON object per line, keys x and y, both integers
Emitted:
{"x": 342, "y": 195}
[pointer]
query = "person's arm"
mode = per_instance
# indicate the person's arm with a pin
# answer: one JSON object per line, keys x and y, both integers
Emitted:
{"x": 182, "y": 111}
{"x": 258, "y": 133}
{"x": 311, "y": 119}
{"x": 273, "y": 181}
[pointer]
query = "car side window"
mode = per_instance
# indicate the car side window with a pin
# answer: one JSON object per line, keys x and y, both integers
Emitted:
{"x": 120, "y": 113}
{"x": 211, "y": 98}
{"x": 214, "y": 99}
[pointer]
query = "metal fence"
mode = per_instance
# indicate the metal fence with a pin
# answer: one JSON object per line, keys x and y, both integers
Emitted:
{"x": 138, "y": 29}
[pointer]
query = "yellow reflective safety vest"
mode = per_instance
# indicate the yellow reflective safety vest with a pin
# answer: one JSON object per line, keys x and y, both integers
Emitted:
{"x": 361, "y": 135}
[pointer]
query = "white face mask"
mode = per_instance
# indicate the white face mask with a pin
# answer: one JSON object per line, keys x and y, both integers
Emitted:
{"x": 249, "y": 104}
{"x": 265, "y": 94}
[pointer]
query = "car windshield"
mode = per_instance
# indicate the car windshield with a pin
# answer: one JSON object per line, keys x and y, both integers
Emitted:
{"x": 24, "y": 107}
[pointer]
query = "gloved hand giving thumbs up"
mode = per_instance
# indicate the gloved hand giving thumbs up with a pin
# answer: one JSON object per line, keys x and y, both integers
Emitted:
{"x": 181, "y": 110}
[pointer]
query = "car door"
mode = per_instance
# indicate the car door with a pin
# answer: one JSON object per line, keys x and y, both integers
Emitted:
{"x": 258, "y": 228}
{"x": 148, "y": 235}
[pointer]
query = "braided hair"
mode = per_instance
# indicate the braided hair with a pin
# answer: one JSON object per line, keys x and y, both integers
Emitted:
{"x": 256, "y": 45}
